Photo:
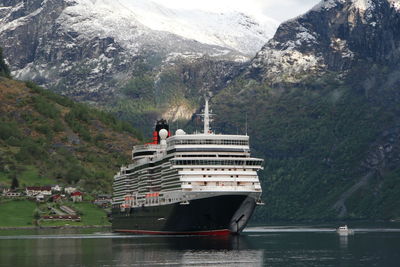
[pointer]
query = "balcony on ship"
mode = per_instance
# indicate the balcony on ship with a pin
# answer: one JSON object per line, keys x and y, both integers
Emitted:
{"x": 203, "y": 143}
{"x": 221, "y": 187}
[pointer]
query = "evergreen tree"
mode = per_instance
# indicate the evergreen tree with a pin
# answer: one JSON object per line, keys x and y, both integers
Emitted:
{"x": 4, "y": 70}
{"x": 14, "y": 183}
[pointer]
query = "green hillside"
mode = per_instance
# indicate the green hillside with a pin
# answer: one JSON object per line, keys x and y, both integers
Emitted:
{"x": 46, "y": 138}
{"x": 331, "y": 145}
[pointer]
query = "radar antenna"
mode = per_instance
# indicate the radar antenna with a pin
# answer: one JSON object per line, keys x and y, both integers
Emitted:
{"x": 246, "y": 124}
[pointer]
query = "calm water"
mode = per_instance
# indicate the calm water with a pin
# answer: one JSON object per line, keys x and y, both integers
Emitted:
{"x": 260, "y": 246}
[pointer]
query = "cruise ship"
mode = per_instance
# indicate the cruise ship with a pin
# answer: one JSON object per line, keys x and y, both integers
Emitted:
{"x": 196, "y": 184}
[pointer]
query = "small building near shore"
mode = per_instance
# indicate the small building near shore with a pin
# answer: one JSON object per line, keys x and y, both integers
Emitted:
{"x": 62, "y": 217}
{"x": 69, "y": 190}
{"x": 12, "y": 194}
{"x": 40, "y": 197}
{"x": 77, "y": 196}
{"x": 103, "y": 200}
{"x": 32, "y": 191}
{"x": 4, "y": 190}
{"x": 56, "y": 198}
{"x": 56, "y": 188}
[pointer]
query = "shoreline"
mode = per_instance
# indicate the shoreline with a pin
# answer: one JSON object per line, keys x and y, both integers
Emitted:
{"x": 55, "y": 227}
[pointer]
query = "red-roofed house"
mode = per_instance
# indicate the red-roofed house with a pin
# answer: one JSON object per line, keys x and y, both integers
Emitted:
{"x": 56, "y": 198}
{"x": 77, "y": 196}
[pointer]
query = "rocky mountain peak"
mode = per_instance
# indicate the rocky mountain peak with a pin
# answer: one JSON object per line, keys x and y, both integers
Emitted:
{"x": 352, "y": 4}
{"x": 333, "y": 36}
{"x": 89, "y": 49}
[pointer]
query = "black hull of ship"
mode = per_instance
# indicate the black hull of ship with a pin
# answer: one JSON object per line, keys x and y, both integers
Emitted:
{"x": 218, "y": 215}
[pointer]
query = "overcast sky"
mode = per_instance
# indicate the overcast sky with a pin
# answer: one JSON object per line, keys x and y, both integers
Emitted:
{"x": 279, "y": 10}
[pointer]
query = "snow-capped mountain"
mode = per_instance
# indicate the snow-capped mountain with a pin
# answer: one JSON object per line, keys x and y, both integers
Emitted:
{"x": 121, "y": 19}
{"x": 88, "y": 48}
{"x": 333, "y": 36}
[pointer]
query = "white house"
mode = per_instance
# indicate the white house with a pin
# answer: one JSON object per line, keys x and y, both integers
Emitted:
{"x": 4, "y": 190}
{"x": 56, "y": 188}
{"x": 35, "y": 190}
{"x": 77, "y": 196}
{"x": 69, "y": 190}
{"x": 40, "y": 197}
{"x": 13, "y": 194}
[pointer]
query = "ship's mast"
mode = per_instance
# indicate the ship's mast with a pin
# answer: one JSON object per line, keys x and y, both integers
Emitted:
{"x": 206, "y": 116}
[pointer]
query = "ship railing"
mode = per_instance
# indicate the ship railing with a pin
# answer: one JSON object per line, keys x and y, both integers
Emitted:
{"x": 253, "y": 188}
{"x": 146, "y": 147}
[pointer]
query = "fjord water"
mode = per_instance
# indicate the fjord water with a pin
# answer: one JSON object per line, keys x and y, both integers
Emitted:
{"x": 257, "y": 246}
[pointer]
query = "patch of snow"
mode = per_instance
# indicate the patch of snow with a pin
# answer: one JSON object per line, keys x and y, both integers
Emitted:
{"x": 24, "y": 73}
{"x": 171, "y": 57}
{"x": 123, "y": 18}
{"x": 304, "y": 36}
{"x": 395, "y": 4}
{"x": 327, "y": 4}
{"x": 286, "y": 63}
{"x": 110, "y": 48}
{"x": 18, "y": 22}
{"x": 341, "y": 46}
{"x": 365, "y": 7}
{"x": 362, "y": 4}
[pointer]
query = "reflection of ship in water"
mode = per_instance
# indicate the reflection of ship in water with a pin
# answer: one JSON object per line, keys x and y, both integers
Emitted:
{"x": 344, "y": 241}
{"x": 187, "y": 250}
{"x": 209, "y": 243}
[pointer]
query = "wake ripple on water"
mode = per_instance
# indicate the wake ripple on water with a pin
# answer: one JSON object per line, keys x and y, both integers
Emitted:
{"x": 289, "y": 229}
{"x": 248, "y": 230}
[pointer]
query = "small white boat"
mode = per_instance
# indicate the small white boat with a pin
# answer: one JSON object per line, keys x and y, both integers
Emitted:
{"x": 344, "y": 230}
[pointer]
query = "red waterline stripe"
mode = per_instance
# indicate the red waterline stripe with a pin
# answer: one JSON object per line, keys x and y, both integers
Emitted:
{"x": 145, "y": 232}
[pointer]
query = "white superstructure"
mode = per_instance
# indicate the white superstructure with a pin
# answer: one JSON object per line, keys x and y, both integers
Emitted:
{"x": 184, "y": 167}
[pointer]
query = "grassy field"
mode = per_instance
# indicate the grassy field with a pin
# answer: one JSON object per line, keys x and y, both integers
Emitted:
{"x": 19, "y": 213}
{"x": 16, "y": 213}
{"x": 29, "y": 177}
{"x": 90, "y": 215}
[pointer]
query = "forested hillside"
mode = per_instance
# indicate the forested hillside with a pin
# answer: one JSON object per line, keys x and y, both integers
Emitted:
{"x": 47, "y": 139}
{"x": 331, "y": 145}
